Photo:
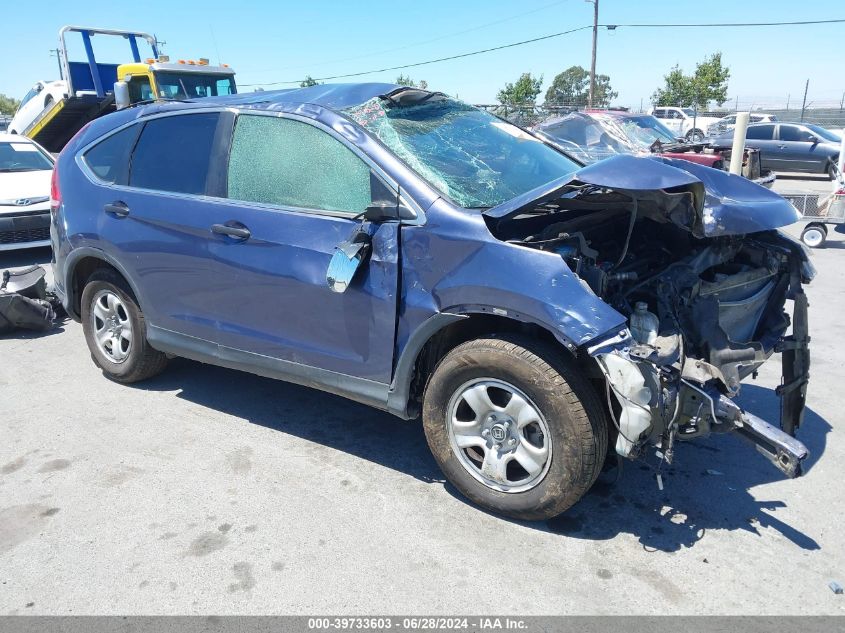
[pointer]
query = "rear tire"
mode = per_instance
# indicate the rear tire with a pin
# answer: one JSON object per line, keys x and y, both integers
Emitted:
{"x": 814, "y": 235}
{"x": 548, "y": 417}
{"x": 115, "y": 330}
{"x": 832, "y": 172}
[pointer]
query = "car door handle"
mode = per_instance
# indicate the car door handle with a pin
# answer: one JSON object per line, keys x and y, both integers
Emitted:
{"x": 240, "y": 232}
{"x": 781, "y": 146}
{"x": 118, "y": 209}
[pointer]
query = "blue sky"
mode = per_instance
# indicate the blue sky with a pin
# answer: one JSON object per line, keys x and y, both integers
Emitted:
{"x": 284, "y": 40}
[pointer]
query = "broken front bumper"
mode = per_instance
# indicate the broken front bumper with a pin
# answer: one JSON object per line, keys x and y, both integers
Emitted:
{"x": 656, "y": 404}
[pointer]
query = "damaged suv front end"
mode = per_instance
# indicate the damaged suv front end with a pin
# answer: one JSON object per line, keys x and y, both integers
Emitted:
{"x": 692, "y": 258}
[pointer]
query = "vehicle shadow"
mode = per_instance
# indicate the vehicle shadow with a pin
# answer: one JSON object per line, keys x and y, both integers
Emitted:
{"x": 708, "y": 487}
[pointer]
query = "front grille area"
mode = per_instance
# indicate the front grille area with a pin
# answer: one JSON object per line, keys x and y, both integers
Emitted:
{"x": 25, "y": 235}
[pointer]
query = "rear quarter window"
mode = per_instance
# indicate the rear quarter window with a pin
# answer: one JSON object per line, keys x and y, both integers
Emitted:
{"x": 109, "y": 159}
{"x": 173, "y": 153}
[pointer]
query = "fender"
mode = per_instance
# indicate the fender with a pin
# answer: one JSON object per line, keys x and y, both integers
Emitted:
{"x": 73, "y": 258}
{"x": 400, "y": 388}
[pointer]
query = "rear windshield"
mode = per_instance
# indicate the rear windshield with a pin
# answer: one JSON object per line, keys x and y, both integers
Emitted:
{"x": 23, "y": 156}
{"x": 472, "y": 157}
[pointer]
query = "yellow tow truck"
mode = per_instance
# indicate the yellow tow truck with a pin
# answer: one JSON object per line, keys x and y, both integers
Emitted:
{"x": 92, "y": 89}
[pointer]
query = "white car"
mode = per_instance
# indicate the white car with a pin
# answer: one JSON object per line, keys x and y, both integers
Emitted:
{"x": 25, "y": 171}
{"x": 42, "y": 96}
{"x": 684, "y": 122}
{"x": 727, "y": 123}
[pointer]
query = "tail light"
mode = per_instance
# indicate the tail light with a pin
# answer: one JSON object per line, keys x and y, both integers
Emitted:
{"x": 55, "y": 193}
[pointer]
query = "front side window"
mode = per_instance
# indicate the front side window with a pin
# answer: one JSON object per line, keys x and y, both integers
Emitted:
{"x": 109, "y": 159}
{"x": 139, "y": 89}
{"x": 469, "y": 155}
{"x": 760, "y": 132}
{"x": 173, "y": 153}
{"x": 794, "y": 133}
{"x": 293, "y": 164}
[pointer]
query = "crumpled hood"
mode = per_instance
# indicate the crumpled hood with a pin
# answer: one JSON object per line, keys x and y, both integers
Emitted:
{"x": 719, "y": 203}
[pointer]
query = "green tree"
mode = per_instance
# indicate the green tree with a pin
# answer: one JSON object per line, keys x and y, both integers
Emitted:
{"x": 8, "y": 105}
{"x": 308, "y": 82}
{"x": 523, "y": 92}
{"x": 572, "y": 87}
{"x": 708, "y": 83}
{"x": 405, "y": 80}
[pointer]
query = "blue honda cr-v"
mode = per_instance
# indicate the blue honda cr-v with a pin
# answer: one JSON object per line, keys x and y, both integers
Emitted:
{"x": 405, "y": 250}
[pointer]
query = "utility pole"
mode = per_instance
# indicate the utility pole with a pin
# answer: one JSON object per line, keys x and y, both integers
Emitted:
{"x": 593, "y": 62}
{"x": 804, "y": 102}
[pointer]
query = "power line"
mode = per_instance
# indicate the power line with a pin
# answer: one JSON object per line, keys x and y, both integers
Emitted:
{"x": 548, "y": 37}
{"x": 430, "y": 61}
{"x": 423, "y": 42}
{"x": 727, "y": 24}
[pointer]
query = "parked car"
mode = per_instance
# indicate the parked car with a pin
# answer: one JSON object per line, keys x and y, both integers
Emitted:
{"x": 597, "y": 134}
{"x": 802, "y": 147}
{"x": 25, "y": 171}
{"x": 685, "y": 122}
{"x": 728, "y": 123}
{"x": 41, "y": 97}
{"x": 594, "y": 135}
{"x": 411, "y": 252}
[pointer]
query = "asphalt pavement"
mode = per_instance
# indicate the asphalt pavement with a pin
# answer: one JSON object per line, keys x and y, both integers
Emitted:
{"x": 208, "y": 491}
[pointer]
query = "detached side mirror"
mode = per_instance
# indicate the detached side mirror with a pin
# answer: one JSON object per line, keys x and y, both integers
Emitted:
{"x": 346, "y": 260}
{"x": 121, "y": 95}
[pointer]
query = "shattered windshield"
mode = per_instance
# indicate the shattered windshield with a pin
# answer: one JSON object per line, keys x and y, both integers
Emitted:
{"x": 639, "y": 131}
{"x": 469, "y": 155}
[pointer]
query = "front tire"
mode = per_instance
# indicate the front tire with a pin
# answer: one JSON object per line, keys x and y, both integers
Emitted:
{"x": 115, "y": 330}
{"x": 515, "y": 428}
{"x": 695, "y": 136}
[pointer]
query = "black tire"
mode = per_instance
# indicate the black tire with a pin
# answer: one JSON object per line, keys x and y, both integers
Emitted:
{"x": 571, "y": 408}
{"x": 814, "y": 235}
{"x": 142, "y": 361}
{"x": 832, "y": 172}
{"x": 692, "y": 134}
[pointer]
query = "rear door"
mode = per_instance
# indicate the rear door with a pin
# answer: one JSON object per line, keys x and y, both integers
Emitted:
{"x": 156, "y": 217}
{"x": 296, "y": 188}
{"x": 761, "y": 137}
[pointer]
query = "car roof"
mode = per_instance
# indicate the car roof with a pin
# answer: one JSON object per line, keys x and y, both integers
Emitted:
{"x": 331, "y": 96}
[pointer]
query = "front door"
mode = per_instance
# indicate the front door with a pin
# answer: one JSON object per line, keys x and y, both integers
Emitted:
{"x": 295, "y": 189}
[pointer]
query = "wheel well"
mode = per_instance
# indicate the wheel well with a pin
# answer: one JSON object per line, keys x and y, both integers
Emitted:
{"x": 452, "y": 335}
{"x": 82, "y": 271}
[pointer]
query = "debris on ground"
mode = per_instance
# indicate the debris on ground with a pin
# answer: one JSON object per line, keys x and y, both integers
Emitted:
{"x": 24, "y": 301}
{"x": 835, "y": 587}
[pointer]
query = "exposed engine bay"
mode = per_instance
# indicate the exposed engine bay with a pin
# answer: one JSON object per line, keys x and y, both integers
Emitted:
{"x": 703, "y": 313}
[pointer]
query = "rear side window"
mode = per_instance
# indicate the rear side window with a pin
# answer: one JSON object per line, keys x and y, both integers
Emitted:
{"x": 173, "y": 153}
{"x": 760, "y": 132}
{"x": 290, "y": 163}
{"x": 109, "y": 159}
